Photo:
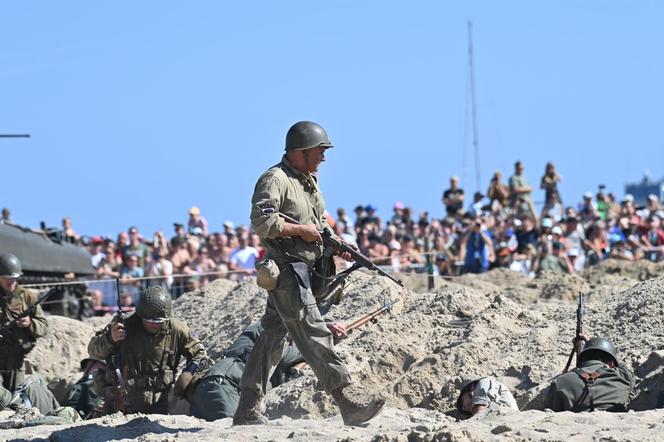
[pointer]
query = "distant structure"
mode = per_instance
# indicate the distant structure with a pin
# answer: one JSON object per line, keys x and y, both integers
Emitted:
{"x": 645, "y": 187}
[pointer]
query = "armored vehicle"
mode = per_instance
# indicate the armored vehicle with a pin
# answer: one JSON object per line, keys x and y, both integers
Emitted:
{"x": 47, "y": 258}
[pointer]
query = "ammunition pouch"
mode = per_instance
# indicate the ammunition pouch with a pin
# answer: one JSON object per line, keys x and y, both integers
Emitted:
{"x": 153, "y": 383}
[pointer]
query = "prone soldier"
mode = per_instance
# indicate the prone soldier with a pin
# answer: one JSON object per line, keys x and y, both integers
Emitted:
{"x": 599, "y": 383}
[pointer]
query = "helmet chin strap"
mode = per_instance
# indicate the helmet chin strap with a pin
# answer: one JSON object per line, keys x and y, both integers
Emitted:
{"x": 306, "y": 159}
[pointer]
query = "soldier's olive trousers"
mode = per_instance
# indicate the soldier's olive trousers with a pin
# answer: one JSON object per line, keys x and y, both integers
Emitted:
{"x": 291, "y": 308}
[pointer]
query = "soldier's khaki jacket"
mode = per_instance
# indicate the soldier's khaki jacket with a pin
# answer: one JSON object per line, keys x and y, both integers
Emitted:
{"x": 149, "y": 361}
{"x": 293, "y": 193}
{"x": 18, "y": 341}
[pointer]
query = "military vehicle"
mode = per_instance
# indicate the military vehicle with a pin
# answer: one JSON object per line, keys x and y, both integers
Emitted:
{"x": 47, "y": 258}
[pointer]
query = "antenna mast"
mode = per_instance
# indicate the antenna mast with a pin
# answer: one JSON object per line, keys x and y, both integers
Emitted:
{"x": 476, "y": 143}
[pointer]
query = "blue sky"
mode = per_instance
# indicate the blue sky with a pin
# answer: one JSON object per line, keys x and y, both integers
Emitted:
{"x": 138, "y": 110}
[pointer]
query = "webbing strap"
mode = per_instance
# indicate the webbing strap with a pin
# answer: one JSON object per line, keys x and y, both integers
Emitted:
{"x": 589, "y": 380}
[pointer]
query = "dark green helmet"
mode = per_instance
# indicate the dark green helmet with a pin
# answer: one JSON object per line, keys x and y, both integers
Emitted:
{"x": 10, "y": 266}
{"x": 306, "y": 135}
{"x": 600, "y": 344}
{"x": 155, "y": 305}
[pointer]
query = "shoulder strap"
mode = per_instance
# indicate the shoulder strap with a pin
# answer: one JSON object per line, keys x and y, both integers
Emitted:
{"x": 589, "y": 380}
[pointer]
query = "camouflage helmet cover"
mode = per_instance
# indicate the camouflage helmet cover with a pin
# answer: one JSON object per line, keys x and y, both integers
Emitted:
{"x": 10, "y": 266}
{"x": 155, "y": 305}
{"x": 306, "y": 135}
{"x": 601, "y": 344}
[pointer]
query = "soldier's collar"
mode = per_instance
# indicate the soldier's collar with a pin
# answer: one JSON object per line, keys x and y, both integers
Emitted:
{"x": 307, "y": 178}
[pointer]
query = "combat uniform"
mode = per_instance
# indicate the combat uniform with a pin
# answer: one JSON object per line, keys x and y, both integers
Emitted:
{"x": 291, "y": 306}
{"x": 294, "y": 293}
{"x": 150, "y": 361}
{"x": 16, "y": 341}
{"x": 217, "y": 394}
{"x": 489, "y": 391}
{"x": 593, "y": 386}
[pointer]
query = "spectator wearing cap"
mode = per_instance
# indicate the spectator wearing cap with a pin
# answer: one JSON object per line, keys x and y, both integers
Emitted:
{"x": 135, "y": 248}
{"x": 520, "y": 190}
{"x": 574, "y": 238}
{"x": 653, "y": 205}
{"x": 627, "y": 207}
{"x": 526, "y": 234}
{"x": 196, "y": 220}
{"x": 372, "y": 220}
{"x": 587, "y": 211}
{"x": 475, "y": 208}
{"x": 554, "y": 259}
{"x": 229, "y": 230}
{"x": 397, "y": 219}
{"x": 453, "y": 198}
{"x": 96, "y": 252}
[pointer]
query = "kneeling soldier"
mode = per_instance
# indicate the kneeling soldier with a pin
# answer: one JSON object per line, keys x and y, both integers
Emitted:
{"x": 142, "y": 354}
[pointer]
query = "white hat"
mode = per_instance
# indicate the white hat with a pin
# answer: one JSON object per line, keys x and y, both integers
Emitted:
{"x": 629, "y": 197}
{"x": 547, "y": 222}
{"x": 588, "y": 195}
{"x": 557, "y": 230}
{"x": 229, "y": 224}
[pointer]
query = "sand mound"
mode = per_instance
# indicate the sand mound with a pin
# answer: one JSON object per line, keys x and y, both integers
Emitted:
{"x": 501, "y": 324}
{"x": 62, "y": 349}
{"x": 220, "y": 311}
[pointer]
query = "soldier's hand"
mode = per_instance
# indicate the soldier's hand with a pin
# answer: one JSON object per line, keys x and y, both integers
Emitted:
{"x": 23, "y": 322}
{"x": 118, "y": 332}
{"x": 338, "y": 329}
{"x": 310, "y": 233}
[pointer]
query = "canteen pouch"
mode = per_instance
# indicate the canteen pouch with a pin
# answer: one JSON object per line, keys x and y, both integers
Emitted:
{"x": 267, "y": 274}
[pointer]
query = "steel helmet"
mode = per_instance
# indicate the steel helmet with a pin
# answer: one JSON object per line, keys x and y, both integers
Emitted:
{"x": 601, "y": 344}
{"x": 10, "y": 266}
{"x": 306, "y": 135}
{"x": 155, "y": 304}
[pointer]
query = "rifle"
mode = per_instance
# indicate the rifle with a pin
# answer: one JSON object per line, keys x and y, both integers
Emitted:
{"x": 116, "y": 364}
{"x": 30, "y": 311}
{"x": 578, "y": 342}
{"x": 359, "y": 322}
{"x": 331, "y": 242}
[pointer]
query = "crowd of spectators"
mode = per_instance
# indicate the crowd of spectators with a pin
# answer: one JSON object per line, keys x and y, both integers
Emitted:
{"x": 502, "y": 228}
{"x": 498, "y": 229}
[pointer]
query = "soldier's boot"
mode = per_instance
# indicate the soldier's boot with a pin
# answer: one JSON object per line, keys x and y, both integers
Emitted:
{"x": 356, "y": 407}
{"x": 249, "y": 409}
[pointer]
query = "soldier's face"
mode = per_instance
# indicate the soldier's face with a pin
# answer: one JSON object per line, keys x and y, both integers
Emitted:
{"x": 151, "y": 327}
{"x": 8, "y": 284}
{"x": 315, "y": 156}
